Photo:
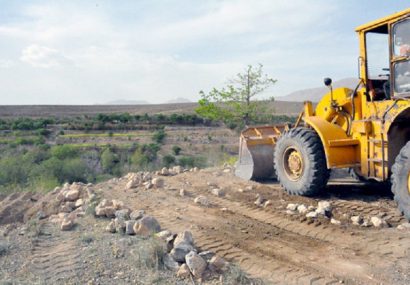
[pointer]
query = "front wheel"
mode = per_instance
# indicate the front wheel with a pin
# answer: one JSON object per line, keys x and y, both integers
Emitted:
{"x": 401, "y": 180}
{"x": 300, "y": 162}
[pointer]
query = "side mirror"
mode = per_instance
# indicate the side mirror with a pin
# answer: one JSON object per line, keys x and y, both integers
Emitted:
{"x": 327, "y": 81}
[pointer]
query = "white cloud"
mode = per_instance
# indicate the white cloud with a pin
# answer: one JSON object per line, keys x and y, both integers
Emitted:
{"x": 42, "y": 56}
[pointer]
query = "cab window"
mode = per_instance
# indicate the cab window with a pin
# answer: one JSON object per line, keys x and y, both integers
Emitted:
{"x": 401, "y": 38}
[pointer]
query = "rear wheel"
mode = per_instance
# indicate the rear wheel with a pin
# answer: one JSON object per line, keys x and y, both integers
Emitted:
{"x": 300, "y": 162}
{"x": 401, "y": 180}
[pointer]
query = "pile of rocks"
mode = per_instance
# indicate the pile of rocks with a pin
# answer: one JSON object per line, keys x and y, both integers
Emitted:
{"x": 324, "y": 209}
{"x": 363, "y": 221}
{"x": 72, "y": 201}
{"x": 183, "y": 257}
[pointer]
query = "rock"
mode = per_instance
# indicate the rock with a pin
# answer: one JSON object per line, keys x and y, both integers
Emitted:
{"x": 163, "y": 235}
{"x": 119, "y": 225}
{"x": 111, "y": 227}
{"x": 79, "y": 203}
{"x": 65, "y": 208}
{"x": 357, "y": 220}
{"x": 217, "y": 192}
{"x": 207, "y": 255}
{"x": 41, "y": 215}
{"x": 158, "y": 182}
{"x": 133, "y": 183}
{"x": 335, "y": 222}
{"x": 164, "y": 171}
{"x": 259, "y": 200}
{"x": 202, "y": 200}
{"x": 117, "y": 204}
{"x": 302, "y": 209}
{"x": 147, "y": 226}
{"x": 195, "y": 169}
{"x": 378, "y": 222}
{"x": 105, "y": 203}
{"x": 137, "y": 214}
{"x": 185, "y": 236}
{"x": 72, "y": 195}
{"x": 170, "y": 263}
{"x": 180, "y": 250}
{"x": 311, "y": 208}
{"x": 292, "y": 207}
{"x": 218, "y": 263}
{"x": 183, "y": 271}
{"x": 323, "y": 208}
{"x": 67, "y": 224}
{"x": 196, "y": 264}
{"x": 178, "y": 169}
{"x": 123, "y": 214}
{"x": 267, "y": 203}
{"x": 249, "y": 188}
{"x": 240, "y": 190}
{"x": 148, "y": 185}
{"x": 312, "y": 215}
{"x": 129, "y": 227}
{"x": 99, "y": 211}
{"x": 289, "y": 212}
{"x": 182, "y": 192}
{"x": 404, "y": 227}
{"x": 211, "y": 184}
{"x": 109, "y": 211}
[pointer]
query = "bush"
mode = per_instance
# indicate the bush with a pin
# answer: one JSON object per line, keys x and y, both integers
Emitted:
{"x": 192, "y": 161}
{"x": 159, "y": 136}
{"x": 168, "y": 160}
{"x": 108, "y": 160}
{"x": 176, "y": 149}
{"x": 64, "y": 151}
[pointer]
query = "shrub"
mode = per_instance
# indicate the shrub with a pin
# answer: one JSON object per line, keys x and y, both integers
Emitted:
{"x": 192, "y": 161}
{"x": 64, "y": 151}
{"x": 159, "y": 136}
{"x": 176, "y": 149}
{"x": 168, "y": 160}
{"x": 108, "y": 160}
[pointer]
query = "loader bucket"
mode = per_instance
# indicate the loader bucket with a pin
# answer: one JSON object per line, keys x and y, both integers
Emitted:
{"x": 256, "y": 148}
{"x": 255, "y": 161}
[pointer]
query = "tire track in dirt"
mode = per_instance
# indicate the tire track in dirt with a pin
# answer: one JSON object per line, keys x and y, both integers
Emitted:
{"x": 55, "y": 257}
{"x": 14, "y": 206}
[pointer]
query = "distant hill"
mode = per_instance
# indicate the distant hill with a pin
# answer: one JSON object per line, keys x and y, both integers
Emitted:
{"x": 127, "y": 102}
{"x": 315, "y": 94}
{"x": 178, "y": 100}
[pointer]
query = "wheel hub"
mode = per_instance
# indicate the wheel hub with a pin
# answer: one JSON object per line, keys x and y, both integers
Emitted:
{"x": 293, "y": 164}
{"x": 408, "y": 182}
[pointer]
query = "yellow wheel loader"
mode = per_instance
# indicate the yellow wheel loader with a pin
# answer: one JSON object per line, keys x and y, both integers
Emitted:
{"x": 366, "y": 129}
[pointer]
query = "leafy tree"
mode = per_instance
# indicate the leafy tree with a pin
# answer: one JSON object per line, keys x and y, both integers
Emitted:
{"x": 236, "y": 103}
{"x": 159, "y": 136}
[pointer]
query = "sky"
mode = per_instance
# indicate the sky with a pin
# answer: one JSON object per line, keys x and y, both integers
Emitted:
{"x": 93, "y": 52}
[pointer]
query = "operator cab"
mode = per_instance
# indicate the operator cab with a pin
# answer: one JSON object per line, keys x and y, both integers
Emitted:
{"x": 385, "y": 57}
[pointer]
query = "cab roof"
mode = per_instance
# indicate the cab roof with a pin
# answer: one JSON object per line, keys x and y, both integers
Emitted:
{"x": 383, "y": 21}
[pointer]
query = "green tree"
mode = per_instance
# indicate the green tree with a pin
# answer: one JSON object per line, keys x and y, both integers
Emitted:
{"x": 176, "y": 149}
{"x": 236, "y": 103}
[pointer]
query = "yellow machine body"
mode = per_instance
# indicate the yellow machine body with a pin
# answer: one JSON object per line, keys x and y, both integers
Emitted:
{"x": 357, "y": 128}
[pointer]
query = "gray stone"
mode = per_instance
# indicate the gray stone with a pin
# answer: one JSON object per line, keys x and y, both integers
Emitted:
{"x": 324, "y": 208}
{"x": 312, "y": 215}
{"x": 218, "y": 263}
{"x": 357, "y": 220}
{"x": 217, "y": 192}
{"x": 302, "y": 209}
{"x": 378, "y": 222}
{"x": 202, "y": 200}
{"x": 67, "y": 224}
{"x": 183, "y": 271}
{"x": 335, "y": 222}
{"x": 129, "y": 227}
{"x": 185, "y": 236}
{"x": 207, "y": 255}
{"x": 137, "y": 214}
{"x": 111, "y": 228}
{"x": 158, "y": 182}
{"x": 180, "y": 250}
{"x": 196, "y": 264}
{"x": 292, "y": 207}
{"x": 170, "y": 263}
{"x": 123, "y": 214}
{"x": 147, "y": 226}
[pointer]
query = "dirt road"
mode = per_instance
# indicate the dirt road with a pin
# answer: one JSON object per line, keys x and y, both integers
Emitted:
{"x": 273, "y": 245}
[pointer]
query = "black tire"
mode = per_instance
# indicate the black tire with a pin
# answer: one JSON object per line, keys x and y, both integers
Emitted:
{"x": 314, "y": 174}
{"x": 399, "y": 178}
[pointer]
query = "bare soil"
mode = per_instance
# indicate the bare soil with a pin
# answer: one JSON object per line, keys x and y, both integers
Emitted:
{"x": 266, "y": 242}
